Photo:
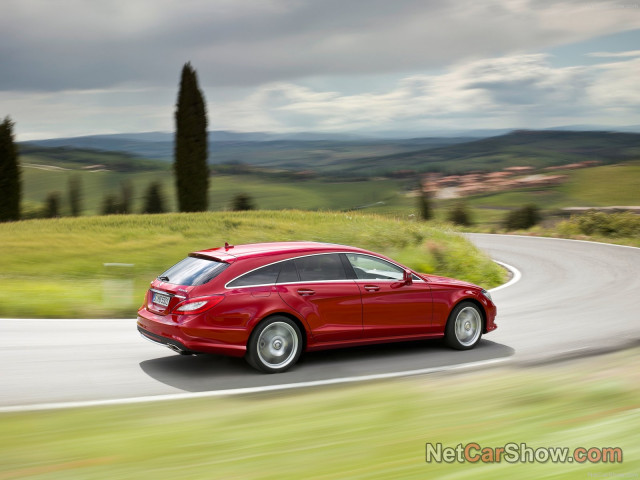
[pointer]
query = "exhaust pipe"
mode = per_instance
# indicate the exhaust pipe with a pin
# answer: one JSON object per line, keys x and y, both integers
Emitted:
{"x": 177, "y": 349}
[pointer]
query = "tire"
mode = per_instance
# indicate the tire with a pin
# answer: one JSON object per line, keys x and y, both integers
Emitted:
{"x": 464, "y": 327}
{"x": 275, "y": 345}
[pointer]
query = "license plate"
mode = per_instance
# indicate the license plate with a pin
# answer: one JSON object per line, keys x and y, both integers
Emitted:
{"x": 160, "y": 299}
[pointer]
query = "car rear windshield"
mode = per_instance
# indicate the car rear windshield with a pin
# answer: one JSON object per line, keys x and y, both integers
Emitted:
{"x": 193, "y": 271}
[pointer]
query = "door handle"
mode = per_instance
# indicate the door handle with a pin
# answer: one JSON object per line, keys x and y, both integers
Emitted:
{"x": 305, "y": 292}
{"x": 371, "y": 288}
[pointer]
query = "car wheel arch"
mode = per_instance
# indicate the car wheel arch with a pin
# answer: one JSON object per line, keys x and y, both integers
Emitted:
{"x": 478, "y": 304}
{"x": 303, "y": 329}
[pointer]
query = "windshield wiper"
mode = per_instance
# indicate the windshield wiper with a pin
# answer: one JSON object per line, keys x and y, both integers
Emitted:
{"x": 164, "y": 278}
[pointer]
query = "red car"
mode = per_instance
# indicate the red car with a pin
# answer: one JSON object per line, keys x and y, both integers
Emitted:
{"x": 269, "y": 302}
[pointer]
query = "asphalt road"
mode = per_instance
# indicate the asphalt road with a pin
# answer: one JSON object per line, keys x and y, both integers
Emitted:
{"x": 573, "y": 297}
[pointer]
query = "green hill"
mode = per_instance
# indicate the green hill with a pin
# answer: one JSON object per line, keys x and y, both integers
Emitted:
{"x": 335, "y": 177}
{"x": 538, "y": 149}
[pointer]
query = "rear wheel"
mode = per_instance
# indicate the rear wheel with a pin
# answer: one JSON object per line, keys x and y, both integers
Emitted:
{"x": 464, "y": 327}
{"x": 275, "y": 345}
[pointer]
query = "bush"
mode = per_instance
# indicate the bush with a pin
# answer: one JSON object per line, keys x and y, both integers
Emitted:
{"x": 522, "y": 218}
{"x": 460, "y": 215}
{"x": 615, "y": 225}
{"x": 242, "y": 201}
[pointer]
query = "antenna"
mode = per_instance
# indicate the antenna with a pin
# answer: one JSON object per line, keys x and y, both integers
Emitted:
{"x": 227, "y": 246}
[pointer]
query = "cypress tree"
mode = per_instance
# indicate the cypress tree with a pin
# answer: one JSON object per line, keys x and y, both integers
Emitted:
{"x": 424, "y": 204}
{"x": 75, "y": 196}
{"x": 126, "y": 198}
{"x": 110, "y": 205}
{"x": 190, "y": 154}
{"x": 52, "y": 205}
{"x": 10, "y": 185}
{"x": 154, "y": 199}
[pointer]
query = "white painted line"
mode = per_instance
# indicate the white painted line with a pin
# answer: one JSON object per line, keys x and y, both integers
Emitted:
{"x": 250, "y": 390}
{"x": 516, "y": 276}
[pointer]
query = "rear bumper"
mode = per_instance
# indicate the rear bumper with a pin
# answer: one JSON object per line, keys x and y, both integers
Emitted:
{"x": 185, "y": 340}
{"x": 167, "y": 342}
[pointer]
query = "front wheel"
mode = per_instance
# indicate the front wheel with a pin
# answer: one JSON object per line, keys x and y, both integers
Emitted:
{"x": 275, "y": 345}
{"x": 464, "y": 327}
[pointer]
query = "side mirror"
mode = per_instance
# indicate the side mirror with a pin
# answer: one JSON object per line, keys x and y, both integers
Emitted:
{"x": 407, "y": 278}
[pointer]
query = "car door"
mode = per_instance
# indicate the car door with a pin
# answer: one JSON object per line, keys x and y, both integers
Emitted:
{"x": 318, "y": 288}
{"x": 390, "y": 307}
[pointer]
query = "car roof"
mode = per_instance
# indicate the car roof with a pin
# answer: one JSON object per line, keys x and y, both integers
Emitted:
{"x": 230, "y": 253}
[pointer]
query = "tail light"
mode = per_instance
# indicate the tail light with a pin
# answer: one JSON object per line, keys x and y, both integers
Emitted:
{"x": 197, "y": 305}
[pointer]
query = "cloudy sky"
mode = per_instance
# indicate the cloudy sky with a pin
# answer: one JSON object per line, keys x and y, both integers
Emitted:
{"x": 81, "y": 67}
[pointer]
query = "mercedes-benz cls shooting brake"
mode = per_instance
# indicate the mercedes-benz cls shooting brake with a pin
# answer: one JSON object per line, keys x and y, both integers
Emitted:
{"x": 270, "y": 302}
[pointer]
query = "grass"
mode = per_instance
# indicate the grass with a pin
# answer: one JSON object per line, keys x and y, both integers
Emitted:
{"x": 589, "y": 187}
{"x": 602, "y": 186}
{"x": 56, "y": 267}
{"x": 367, "y": 431}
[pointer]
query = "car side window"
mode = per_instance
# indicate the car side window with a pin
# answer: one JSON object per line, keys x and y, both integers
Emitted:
{"x": 321, "y": 267}
{"x": 288, "y": 272}
{"x": 261, "y": 276}
{"x": 372, "y": 268}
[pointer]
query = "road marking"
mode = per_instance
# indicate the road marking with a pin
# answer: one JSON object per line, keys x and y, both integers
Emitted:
{"x": 516, "y": 276}
{"x": 250, "y": 390}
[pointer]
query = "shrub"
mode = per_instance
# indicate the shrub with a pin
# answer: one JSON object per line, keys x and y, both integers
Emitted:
{"x": 624, "y": 224}
{"x": 242, "y": 201}
{"x": 522, "y": 218}
{"x": 460, "y": 215}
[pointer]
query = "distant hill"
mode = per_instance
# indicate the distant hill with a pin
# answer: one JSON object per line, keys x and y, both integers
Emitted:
{"x": 84, "y": 158}
{"x": 299, "y": 151}
{"x": 355, "y": 157}
{"x": 523, "y": 147}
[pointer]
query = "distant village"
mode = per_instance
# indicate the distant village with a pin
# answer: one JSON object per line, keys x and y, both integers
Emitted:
{"x": 455, "y": 186}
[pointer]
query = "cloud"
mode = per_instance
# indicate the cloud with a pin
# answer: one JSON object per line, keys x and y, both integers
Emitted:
{"x": 518, "y": 90}
{"x": 631, "y": 53}
{"x": 83, "y": 112}
{"x": 75, "y": 44}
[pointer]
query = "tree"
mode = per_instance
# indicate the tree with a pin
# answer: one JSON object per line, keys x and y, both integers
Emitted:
{"x": 154, "y": 199}
{"x": 52, "y": 205}
{"x": 424, "y": 203}
{"x": 110, "y": 205}
{"x": 10, "y": 181}
{"x": 75, "y": 196}
{"x": 126, "y": 191}
{"x": 242, "y": 201}
{"x": 522, "y": 218}
{"x": 191, "y": 149}
{"x": 460, "y": 215}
